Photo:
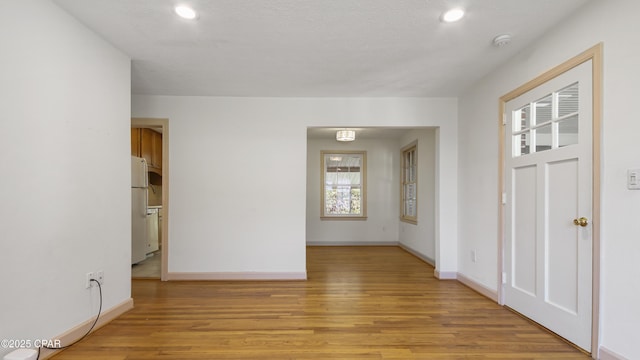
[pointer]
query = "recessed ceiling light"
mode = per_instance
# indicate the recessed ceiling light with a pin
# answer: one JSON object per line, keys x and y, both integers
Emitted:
{"x": 185, "y": 12}
{"x": 453, "y": 15}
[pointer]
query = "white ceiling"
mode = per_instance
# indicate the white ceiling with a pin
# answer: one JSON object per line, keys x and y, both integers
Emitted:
{"x": 315, "y": 48}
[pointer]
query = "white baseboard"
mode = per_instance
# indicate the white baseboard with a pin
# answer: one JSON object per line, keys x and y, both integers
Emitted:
{"x": 352, "y": 243}
{"x": 483, "y": 290}
{"x": 420, "y": 256}
{"x": 445, "y": 275}
{"x": 606, "y": 354}
{"x": 236, "y": 276}
{"x": 75, "y": 333}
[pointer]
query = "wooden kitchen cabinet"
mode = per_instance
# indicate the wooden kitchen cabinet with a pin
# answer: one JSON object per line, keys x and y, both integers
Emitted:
{"x": 156, "y": 149}
{"x": 135, "y": 142}
{"x": 147, "y": 144}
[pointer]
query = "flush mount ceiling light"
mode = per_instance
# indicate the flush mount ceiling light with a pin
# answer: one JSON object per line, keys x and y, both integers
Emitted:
{"x": 345, "y": 135}
{"x": 185, "y": 12}
{"x": 452, "y": 15}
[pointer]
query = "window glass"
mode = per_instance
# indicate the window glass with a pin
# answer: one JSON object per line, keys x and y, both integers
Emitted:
{"x": 544, "y": 110}
{"x": 521, "y": 144}
{"x": 343, "y": 184}
{"x": 555, "y": 122}
{"x": 522, "y": 119}
{"x": 568, "y": 100}
{"x": 568, "y": 131}
{"x": 544, "y": 139}
{"x": 409, "y": 207}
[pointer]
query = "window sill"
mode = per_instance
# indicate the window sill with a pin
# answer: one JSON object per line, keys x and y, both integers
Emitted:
{"x": 410, "y": 221}
{"x": 349, "y": 218}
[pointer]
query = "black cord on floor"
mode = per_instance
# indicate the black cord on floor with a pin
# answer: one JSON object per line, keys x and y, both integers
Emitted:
{"x": 86, "y": 334}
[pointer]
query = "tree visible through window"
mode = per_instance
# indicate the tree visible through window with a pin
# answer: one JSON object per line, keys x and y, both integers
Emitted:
{"x": 343, "y": 185}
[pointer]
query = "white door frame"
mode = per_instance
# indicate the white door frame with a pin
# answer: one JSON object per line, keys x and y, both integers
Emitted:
{"x": 595, "y": 55}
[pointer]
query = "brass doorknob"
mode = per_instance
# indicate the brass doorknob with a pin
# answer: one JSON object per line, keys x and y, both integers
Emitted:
{"x": 583, "y": 221}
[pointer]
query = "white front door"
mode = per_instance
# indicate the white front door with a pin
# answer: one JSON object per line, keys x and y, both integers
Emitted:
{"x": 548, "y": 183}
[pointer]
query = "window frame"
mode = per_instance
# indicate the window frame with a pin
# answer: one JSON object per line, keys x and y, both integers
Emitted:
{"x": 404, "y": 152}
{"x": 363, "y": 184}
{"x": 530, "y": 128}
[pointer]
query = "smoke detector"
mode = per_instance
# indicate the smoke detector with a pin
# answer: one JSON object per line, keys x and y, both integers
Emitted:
{"x": 502, "y": 40}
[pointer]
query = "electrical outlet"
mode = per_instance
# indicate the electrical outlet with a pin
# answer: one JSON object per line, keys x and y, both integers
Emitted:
{"x": 474, "y": 256}
{"x": 633, "y": 179}
{"x": 100, "y": 276}
{"x": 87, "y": 283}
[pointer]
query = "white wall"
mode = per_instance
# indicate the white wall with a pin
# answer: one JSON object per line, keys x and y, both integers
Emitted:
{"x": 420, "y": 237}
{"x": 381, "y": 225}
{"x": 614, "y": 22}
{"x": 65, "y": 173}
{"x": 256, "y": 222}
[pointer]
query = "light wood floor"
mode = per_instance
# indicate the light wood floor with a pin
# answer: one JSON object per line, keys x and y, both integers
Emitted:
{"x": 358, "y": 303}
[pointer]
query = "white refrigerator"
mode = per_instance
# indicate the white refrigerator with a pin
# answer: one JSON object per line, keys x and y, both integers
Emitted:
{"x": 139, "y": 198}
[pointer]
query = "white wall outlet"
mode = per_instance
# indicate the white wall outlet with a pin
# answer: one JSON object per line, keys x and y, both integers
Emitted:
{"x": 100, "y": 276}
{"x": 474, "y": 256}
{"x": 633, "y": 179}
{"x": 87, "y": 283}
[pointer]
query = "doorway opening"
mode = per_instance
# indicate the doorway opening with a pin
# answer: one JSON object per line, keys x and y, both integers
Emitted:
{"x": 150, "y": 140}
{"x": 389, "y": 194}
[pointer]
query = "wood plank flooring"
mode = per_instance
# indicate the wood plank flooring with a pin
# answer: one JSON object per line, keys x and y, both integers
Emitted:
{"x": 358, "y": 303}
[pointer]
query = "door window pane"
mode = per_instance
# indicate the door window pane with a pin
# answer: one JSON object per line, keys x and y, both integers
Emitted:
{"x": 544, "y": 109}
{"x": 544, "y": 138}
{"x": 548, "y": 123}
{"x": 521, "y": 144}
{"x": 522, "y": 119}
{"x": 568, "y": 100}
{"x": 568, "y": 131}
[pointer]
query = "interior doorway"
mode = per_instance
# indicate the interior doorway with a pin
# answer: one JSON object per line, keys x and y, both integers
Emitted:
{"x": 384, "y": 148}
{"x": 153, "y": 132}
